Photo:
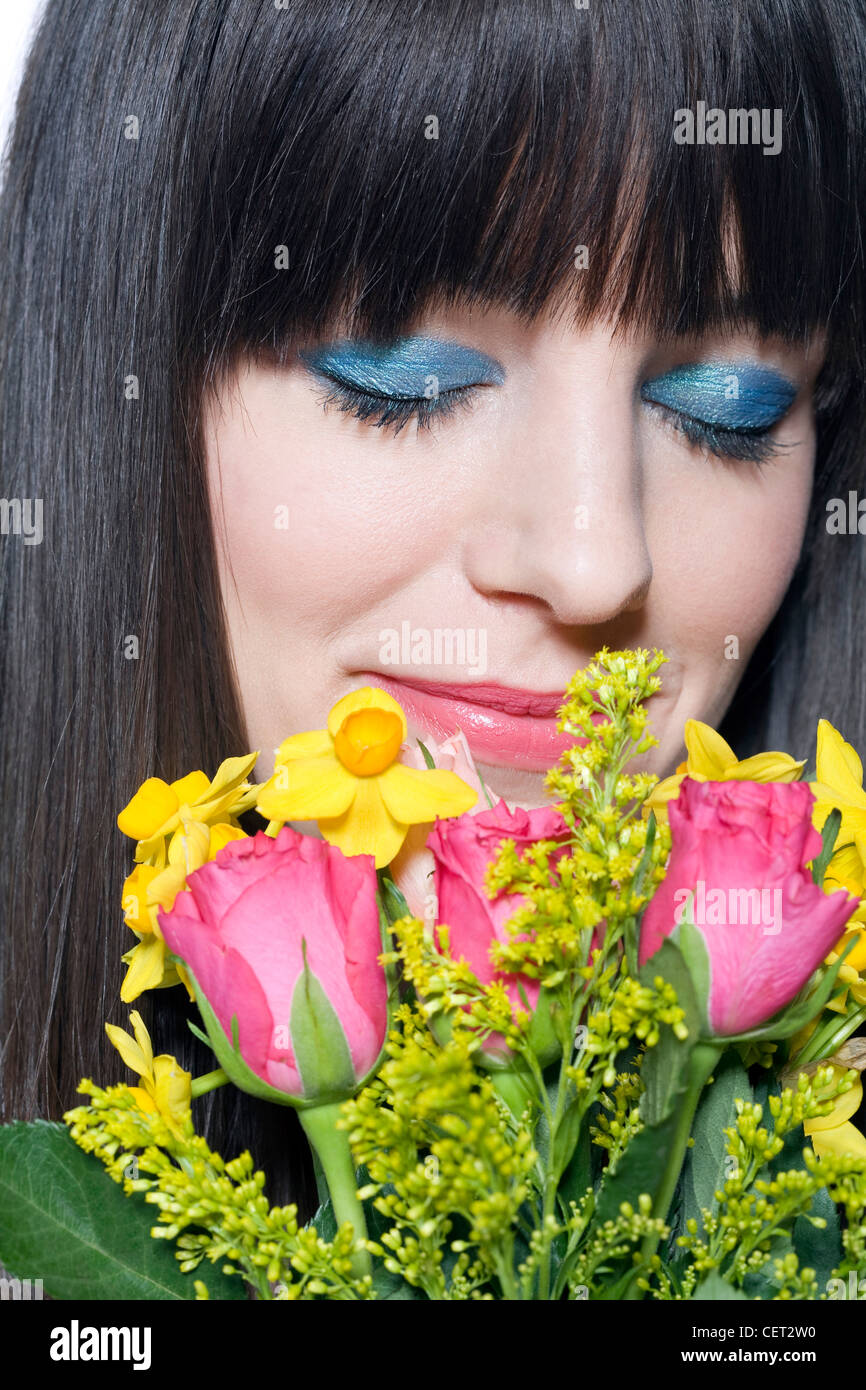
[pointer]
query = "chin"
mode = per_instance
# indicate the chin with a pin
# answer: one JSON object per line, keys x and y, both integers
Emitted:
{"x": 514, "y": 785}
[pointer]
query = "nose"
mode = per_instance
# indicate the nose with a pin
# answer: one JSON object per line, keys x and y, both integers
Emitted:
{"x": 564, "y": 522}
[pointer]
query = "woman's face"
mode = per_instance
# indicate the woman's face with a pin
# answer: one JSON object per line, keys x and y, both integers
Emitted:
{"x": 569, "y": 490}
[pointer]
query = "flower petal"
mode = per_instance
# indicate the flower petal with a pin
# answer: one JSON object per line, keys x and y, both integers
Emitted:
{"x": 222, "y": 835}
{"x": 663, "y": 792}
{"x": 129, "y": 1050}
{"x": 142, "y": 1037}
{"x": 188, "y": 847}
{"x": 189, "y": 788}
{"x": 368, "y": 697}
{"x": 838, "y": 766}
{"x": 846, "y": 869}
{"x": 171, "y": 1088}
{"x": 153, "y": 803}
{"x": 230, "y": 773}
{"x": 768, "y": 767}
{"x": 842, "y": 1139}
{"x": 708, "y": 752}
{"x": 367, "y": 827}
{"x": 308, "y": 790}
{"x": 846, "y": 1105}
{"x": 414, "y": 796}
{"x": 315, "y": 744}
{"x": 146, "y": 968}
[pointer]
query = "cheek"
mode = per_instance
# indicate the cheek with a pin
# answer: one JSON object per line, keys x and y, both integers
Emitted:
{"x": 730, "y": 544}
{"x": 302, "y": 504}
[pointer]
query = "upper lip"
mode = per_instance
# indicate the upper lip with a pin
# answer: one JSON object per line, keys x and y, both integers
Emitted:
{"x": 510, "y": 699}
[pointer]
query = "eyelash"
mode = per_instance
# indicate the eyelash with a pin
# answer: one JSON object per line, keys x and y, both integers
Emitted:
{"x": 392, "y": 412}
{"x": 744, "y": 446}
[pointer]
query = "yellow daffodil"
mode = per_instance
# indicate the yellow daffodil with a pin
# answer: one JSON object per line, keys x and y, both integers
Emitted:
{"x": 149, "y": 889}
{"x": 852, "y": 971}
{"x": 155, "y": 812}
{"x": 834, "y": 1133}
{"x": 711, "y": 759}
{"x": 179, "y": 826}
{"x": 166, "y": 1087}
{"x": 347, "y": 778}
{"x": 839, "y": 783}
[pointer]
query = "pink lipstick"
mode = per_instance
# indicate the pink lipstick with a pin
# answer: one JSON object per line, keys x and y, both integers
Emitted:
{"x": 504, "y": 726}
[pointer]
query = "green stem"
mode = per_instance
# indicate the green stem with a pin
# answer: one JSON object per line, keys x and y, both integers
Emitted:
{"x": 332, "y": 1146}
{"x": 553, "y": 1174}
{"x": 704, "y": 1058}
{"x": 824, "y": 1041}
{"x": 209, "y": 1081}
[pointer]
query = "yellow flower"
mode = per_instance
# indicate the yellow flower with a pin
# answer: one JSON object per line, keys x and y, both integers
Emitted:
{"x": 149, "y": 889}
{"x": 852, "y": 971}
{"x": 156, "y": 810}
{"x": 179, "y": 826}
{"x": 166, "y": 1087}
{"x": 711, "y": 759}
{"x": 834, "y": 1133}
{"x": 839, "y": 782}
{"x": 348, "y": 779}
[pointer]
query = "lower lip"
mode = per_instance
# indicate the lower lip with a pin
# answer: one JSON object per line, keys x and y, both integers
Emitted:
{"x": 495, "y": 737}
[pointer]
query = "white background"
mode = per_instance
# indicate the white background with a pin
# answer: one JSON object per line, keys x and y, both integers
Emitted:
{"x": 18, "y": 20}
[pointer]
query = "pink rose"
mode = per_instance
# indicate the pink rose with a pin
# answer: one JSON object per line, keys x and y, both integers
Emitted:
{"x": 243, "y": 929}
{"x": 412, "y": 869}
{"x": 462, "y": 848}
{"x": 741, "y": 850}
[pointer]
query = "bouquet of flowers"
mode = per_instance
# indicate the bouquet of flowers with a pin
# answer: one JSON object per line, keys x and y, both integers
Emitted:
{"x": 599, "y": 1050}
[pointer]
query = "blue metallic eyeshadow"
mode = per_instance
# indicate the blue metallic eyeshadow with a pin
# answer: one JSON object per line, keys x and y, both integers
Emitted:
{"x": 725, "y": 396}
{"x": 402, "y": 370}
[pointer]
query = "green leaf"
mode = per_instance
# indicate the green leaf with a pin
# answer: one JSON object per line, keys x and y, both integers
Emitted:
{"x": 325, "y": 1221}
{"x": 819, "y": 1248}
{"x": 578, "y": 1174}
{"x": 693, "y": 945}
{"x": 319, "y": 1043}
{"x": 704, "y": 1170}
{"x": 716, "y": 1289}
{"x": 393, "y": 1287}
{"x": 828, "y": 840}
{"x": 64, "y": 1221}
{"x": 392, "y": 899}
{"x": 665, "y": 1067}
{"x": 632, "y": 929}
{"x": 427, "y": 755}
{"x": 389, "y": 1287}
{"x": 640, "y": 1169}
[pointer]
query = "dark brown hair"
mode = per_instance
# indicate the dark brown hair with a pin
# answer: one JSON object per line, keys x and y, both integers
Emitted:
{"x": 148, "y": 252}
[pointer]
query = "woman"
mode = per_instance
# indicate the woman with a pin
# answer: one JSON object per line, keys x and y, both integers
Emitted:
{"x": 258, "y": 256}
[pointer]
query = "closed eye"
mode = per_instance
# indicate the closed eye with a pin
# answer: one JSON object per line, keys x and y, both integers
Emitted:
{"x": 393, "y": 412}
{"x": 729, "y": 409}
{"x": 753, "y": 446}
{"x": 390, "y": 384}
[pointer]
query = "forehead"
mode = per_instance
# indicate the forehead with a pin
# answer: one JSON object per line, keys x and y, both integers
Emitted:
{"x": 533, "y": 164}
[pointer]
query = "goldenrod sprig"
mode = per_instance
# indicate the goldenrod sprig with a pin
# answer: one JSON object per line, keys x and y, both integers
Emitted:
{"x": 216, "y": 1210}
{"x": 756, "y": 1207}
